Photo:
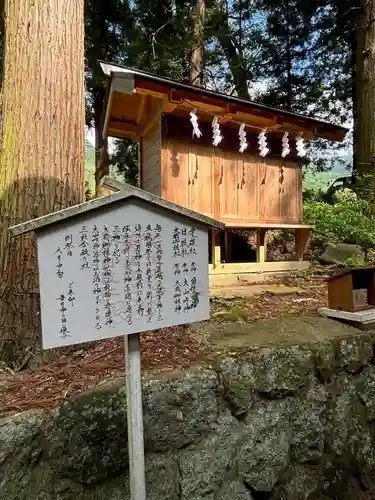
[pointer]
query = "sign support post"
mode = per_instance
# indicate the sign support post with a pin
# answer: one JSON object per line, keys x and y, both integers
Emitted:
{"x": 135, "y": 416}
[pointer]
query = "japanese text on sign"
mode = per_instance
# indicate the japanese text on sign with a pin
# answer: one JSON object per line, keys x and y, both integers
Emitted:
{"x": 117, "y": 278}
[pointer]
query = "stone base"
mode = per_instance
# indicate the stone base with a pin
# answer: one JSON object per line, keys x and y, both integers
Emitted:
{"x": 229, "y": 274}
{"x": 290, "y": 417}
{"x": 361, "y": 317}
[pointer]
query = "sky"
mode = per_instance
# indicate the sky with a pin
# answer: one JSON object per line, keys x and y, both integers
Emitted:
{"x": 90, "y": 136}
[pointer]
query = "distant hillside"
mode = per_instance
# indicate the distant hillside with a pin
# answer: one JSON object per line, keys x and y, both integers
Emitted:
{"x": 316, "y": 181}
{"x": 340, "y": 167}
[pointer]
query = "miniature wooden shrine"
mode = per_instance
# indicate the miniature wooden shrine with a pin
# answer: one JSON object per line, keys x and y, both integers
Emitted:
{"x": 227, "y": 158}
{"x": 352, "y": 290}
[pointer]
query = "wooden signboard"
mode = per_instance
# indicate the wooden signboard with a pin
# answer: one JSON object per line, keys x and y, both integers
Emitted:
{"x": 124, "y": 271}
{"x": 123, "y": 264}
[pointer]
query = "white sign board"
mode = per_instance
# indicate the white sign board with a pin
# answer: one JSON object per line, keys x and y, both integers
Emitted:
{"x": 122, "y": 270}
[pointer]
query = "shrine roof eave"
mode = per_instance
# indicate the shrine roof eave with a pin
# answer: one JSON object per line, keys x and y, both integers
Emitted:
{"x": 138, "y": 84}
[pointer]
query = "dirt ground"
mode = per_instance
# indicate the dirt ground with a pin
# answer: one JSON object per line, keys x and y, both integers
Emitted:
{"x": 176, "y": 347}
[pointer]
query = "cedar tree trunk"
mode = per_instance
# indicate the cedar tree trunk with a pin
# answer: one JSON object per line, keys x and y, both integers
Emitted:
{"x": 42, "y": 155}
{"x": 197, "y": 53}
{"x": 365, "y": 96}
{"x": 232, "y": 53}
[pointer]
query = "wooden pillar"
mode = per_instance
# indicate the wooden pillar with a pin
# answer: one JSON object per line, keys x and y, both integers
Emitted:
{"x": 302, "y": 239}
{"x": 215, "y": 247}
{"x": 228, "y": 246}
{"x": 141, "y": 159}
{"x": 261, "y": 245}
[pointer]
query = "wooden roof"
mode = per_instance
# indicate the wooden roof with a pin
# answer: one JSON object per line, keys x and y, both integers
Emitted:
{"x": 136, "y": 99}
{"x": 351, "y": 270}
{"x": 127, "y": 193}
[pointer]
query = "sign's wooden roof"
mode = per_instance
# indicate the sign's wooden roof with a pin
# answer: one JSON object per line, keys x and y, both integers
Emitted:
{"x": 127, "y": 193}
{"x": 136, "y": 99}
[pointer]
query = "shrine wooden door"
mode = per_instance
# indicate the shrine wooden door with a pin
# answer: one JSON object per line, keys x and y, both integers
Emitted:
{"x": 281, "y": 192}
{"x": 201, "y": 186}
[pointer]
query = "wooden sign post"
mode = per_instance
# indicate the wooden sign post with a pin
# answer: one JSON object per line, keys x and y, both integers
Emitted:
{"x": 119, "y": 265}
{"x": 135, "y": 416}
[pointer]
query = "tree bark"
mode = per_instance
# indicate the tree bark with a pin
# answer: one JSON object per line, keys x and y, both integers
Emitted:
{"x": 196, "y": 62}
{"x": 42, "y": 156}
{"x": 232, "y": 53}
{"x": 365, "y": 95}
{"x": 289, "y": 62}
{"x": 353, "y": 70}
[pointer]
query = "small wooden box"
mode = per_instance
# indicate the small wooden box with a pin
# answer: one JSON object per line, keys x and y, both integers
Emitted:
{"x": 352, "y": 290}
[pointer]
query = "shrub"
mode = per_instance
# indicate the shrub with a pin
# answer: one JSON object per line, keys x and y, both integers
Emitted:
{"x": 370, "y": 254}
{"x": 348, "y": 221}
{"x": 345, "y": 195}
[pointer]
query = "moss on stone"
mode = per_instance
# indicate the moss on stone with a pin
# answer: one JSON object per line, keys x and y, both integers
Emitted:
{"x": 275, "y": 407}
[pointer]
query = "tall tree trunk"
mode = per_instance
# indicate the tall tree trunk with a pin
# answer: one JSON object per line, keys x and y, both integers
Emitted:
{"x": 289, "y": 62}
{"x": 365, "y": 94}
{"x": 353, "y": 73}
{"x": 197, "y": 54}
{"x": 232, "y": 53}
{"x": 236, "y": 64}
{"x": 289, "y": 74}
{"x": 42, "y": 156}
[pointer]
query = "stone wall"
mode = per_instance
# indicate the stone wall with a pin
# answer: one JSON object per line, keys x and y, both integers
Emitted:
{"x": 283, "y": 422}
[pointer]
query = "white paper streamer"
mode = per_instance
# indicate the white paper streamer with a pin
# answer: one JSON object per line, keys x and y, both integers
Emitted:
{"x": 194, "y": 122}
{"x": 285, "y": 145}
{"x": 262, "y": 141}
{"x": 216, "y": 135}
{"x": 300, "y": 146}
{"x": 243, "y": 140}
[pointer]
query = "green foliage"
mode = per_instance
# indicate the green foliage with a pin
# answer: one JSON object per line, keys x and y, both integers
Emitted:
{"x": 316, "y": 181}
{"x": 346, "y": 222}
{"x": 370, "y": 256}
{"x": 89, "y": 168}
{"x": 286, "y": 46}
{"x": 165, "y": 37}
{"x": 345, "y": 195}
{"x": 353, "y": 261}
{"x": 125, "y": 161}
{"x": 89, "y": 191}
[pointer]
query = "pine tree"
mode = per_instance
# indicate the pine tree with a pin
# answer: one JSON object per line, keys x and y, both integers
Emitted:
{"x": 287, "y": 55}
{"x": 110, "y": 30}
{"x": 219, "y": 27}
{"x": 165, "y": 37}
{"x": 125, "y": 161}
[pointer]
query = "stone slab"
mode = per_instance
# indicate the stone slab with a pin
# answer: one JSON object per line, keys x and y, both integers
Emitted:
{"x": 362, "y": 317}
{"x": 244, "y": 292}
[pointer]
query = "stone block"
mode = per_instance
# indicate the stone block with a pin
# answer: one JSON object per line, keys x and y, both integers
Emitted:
{"x": 179, "y": 408}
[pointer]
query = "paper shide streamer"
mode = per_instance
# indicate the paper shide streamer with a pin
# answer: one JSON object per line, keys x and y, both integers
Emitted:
{"x": 262, "y": 141}
{"x": 217, "y": 137}
{"x": 216, "y": 134}
{"x": 194, "y": 122}
{"x": 285, "y": 145}
{"x": 300, "y": 146}
{"x": 242, "y": 136}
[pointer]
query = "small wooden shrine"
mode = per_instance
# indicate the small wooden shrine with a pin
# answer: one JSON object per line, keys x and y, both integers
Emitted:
{"x": 352, "y": 290}
{"x": 225, "y": 157}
